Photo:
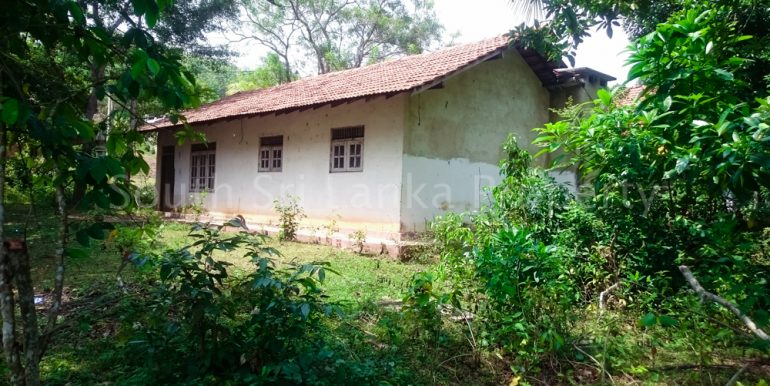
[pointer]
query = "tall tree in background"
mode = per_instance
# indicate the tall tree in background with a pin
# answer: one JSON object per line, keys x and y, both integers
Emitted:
{"x": 217, "y": 77}
{"x": 338, "y": 34}
{"x": 183, "y": 26}
{"x": 270, "y": 73}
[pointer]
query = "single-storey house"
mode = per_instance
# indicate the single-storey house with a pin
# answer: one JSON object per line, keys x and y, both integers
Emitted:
{"x": 383, "y": 148}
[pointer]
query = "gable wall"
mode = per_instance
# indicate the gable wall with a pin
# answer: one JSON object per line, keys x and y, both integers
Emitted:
{"x": 454, "y": 136}
{"x": 369, "y": 199}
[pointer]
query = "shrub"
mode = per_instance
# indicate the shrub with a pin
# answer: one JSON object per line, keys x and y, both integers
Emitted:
{"x": 203, "y": 326}
{"x": 359, "y": 240}
{"x": 500, "y": 263}
{"x": 290, "y": 213}
{"x": 422, "y": 306}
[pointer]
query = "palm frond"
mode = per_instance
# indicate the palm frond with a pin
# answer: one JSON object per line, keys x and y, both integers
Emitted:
{"x": 529, "y": 10}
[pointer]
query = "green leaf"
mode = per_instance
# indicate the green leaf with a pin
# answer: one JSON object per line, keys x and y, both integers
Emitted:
{"x": 648, "y": 320}
{"x": 76, "y": 12}
{"x": 137, "y": 69}
{"x": 605, "y": 97}
{"x": 165, "y": 272}
{"x": 305, "y": 309}
{"x": 153, "y": 65}
{"x": 681, "y": 164}
{"x": 98, "y": 171}
{"x": 761, "y": 159}
{"x": 113, "y": 166}
{"x": 726, "y": 75}
{"x": 10, "y": 111}
{"x": 667, "y": 103}
{"x": 83, "y": 238}
{"x": 667, "y": 321}
{"x": 151, "y": 14}
{"x": 77, "y": 253}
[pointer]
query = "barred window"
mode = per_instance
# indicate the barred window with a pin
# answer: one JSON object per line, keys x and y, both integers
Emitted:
{"x": 347, "y": 149}
{"x": 202, "y": 167}
{"x": 271, "y": 153}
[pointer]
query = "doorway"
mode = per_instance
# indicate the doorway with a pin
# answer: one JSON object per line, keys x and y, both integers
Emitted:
{"x": 166, "y": 199}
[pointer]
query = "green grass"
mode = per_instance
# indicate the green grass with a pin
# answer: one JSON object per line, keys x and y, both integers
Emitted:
{"x": 359, "y": 279}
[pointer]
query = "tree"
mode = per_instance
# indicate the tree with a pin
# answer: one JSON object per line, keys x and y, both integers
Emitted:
{"x": 338, "y": 34}
{"x": 684, "y": 174}
{"x": 272, "y": 72}
{"x": 568, "y": 22}
{"x": 49, "y": 50}
{"x": 183, "y": 26}
{"x": 213, "y": 76}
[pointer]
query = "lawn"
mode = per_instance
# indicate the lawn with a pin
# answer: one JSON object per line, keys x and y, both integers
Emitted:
{"x": 359, "y": 279}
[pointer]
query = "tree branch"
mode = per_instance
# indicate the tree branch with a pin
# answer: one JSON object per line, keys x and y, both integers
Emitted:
{"x": 705, "y": 295}
{"x": 737, "y": 375}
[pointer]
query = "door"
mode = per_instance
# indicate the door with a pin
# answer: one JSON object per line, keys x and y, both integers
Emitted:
{"x": 166, "y": 202}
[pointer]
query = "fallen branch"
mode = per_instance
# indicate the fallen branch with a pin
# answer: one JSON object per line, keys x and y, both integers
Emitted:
{"x": 603, "y": 295}
{"x": 737, "y": 375}
{"x": 715, "y": 366}
{"x": 705, "y": 295}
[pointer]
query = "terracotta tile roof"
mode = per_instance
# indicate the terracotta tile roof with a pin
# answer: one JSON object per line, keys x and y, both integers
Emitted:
{"x": 394, "y": 76}
{"x": 629, "y": 95}
{"x": 387, "y": 78}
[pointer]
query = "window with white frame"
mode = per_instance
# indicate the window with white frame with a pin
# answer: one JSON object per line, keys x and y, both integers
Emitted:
{"x": 202, "y": 167}
{"x": 347, "y": 151}
{"x": 271, "y": 154}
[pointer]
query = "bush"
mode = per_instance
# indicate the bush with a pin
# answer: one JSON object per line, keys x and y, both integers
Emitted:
{"x": 203, "y": 326}
{"x": 290, "y": 213}
{"x": 502, "y": 265}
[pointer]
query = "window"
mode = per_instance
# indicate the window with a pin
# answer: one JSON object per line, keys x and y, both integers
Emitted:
{"x": 347, "y": 152}
{"x": 202, "y": 167}
{"x": 271, "y": 154}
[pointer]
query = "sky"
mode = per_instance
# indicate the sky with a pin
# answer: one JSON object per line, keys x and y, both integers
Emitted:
{"x": 480, "y": 19}
{"x": 487, "y": 18}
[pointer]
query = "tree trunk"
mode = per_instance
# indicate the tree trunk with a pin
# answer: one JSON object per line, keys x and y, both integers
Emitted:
{"x": 7, "y": 305}
{"x": 23, "y": 278}
{"x": 61, "y": 252}
{"x": 97, "y": 74}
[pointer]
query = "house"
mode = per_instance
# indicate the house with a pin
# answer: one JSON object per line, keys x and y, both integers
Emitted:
{"x": 383, "y": 148}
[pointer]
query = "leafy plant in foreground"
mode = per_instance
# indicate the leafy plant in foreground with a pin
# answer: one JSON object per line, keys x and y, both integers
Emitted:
{"x": 205, "y": 325}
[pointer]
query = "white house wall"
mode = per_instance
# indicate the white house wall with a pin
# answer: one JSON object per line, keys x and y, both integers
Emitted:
{"x": 367, "y": 200}
{"x": 454, "y": 136}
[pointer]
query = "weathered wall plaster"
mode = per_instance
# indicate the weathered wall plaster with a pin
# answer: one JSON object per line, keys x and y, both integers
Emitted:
{"x": 454, "y": 136}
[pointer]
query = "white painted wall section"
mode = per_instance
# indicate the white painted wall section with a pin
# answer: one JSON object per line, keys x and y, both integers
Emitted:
{"x": 368, "y": 200}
